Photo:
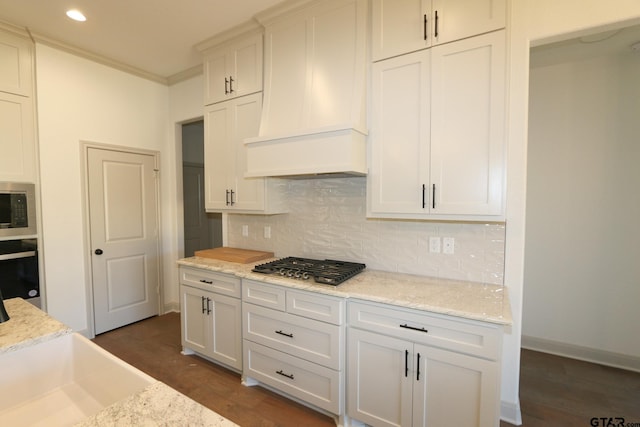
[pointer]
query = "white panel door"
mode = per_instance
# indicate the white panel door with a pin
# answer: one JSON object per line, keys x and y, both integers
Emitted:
{"x": 400, "y": 135}
{"x": 467, "y": 125}
{"x": 124, "y": 236}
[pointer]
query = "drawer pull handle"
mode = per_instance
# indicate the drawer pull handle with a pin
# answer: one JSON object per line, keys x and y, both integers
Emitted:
{"x": 284, "y": 375}
{"x": 284, "y": 333}
{"x": 413, "y": 328}
{"x": 208, "y": 282}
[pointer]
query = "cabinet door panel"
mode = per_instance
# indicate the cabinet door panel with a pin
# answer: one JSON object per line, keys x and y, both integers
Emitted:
{"x": 467, "y": 125}
{"x": 17, "y": 140}
{"x": 15, "y": 64}
{"x": 400, "y": 134}
{"x": 458, "y": 19}
{"x": 399, "y": 27}
{"x": 455, "y": 389}
{"x": 215, "y": 71}
{"x": 247, "y": 68}
{"x": 194, "y": 321}
{"x": 246, "y": 123}
{"x": 227, "y": 331}
{"x": 378, "y": 392}
{"x": 217, "y": 152}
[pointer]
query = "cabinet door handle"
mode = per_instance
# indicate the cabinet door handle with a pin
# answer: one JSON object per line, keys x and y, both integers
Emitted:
{"x": 226, "y": 198}
{"x": 418, "y": 368}
{"x": 230, "y": 84}
{"x": 284, "y": 333}
{"x": 232, "y": 201}
{"x": 203, "y": 307}
{"x": 208, "y": 282}
{"x": 433, "y": 196}
{"x": 413, "y": 328}
{"x": 280, "y": 372}
{"x": 226, "y": 86}
{"x": 435, "y": 33}
{"x": 424, "y": 202}
{"x": 406, "y": 363}
{"x": 208, "y": 306}
{"x": 425, "y": 26}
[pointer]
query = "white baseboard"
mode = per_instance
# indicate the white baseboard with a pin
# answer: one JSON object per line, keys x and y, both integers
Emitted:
{"x": 171, "y": 306}
{"x": 510, "y": 412}
{"x": 602, "y": 357}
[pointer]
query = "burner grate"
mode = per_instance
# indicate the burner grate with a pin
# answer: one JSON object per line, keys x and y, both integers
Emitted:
{"x": 330, "y": 272}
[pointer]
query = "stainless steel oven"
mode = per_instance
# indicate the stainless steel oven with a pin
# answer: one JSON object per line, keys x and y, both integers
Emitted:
{"x": 19, "y": 270}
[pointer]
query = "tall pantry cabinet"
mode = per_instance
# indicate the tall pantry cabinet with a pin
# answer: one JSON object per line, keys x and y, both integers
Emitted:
{"x": 437, "y": 148}
{"x": 233, "y": 107}
{"x": 17, "y": 122}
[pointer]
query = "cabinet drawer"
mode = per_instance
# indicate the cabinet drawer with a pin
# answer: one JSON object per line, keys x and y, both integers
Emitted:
{"x": 446, "y": 332}
{"x": 263, "y": 294}
{"x": 210, "y": 281}
{"x": 309, "y": 339}
{"x": 314, "y": 306}
{"x": 315, "y": 384}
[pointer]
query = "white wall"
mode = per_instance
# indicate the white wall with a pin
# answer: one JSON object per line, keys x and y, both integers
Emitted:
{"x": 186, "y": 101}
{"x": 79, "y": 100}
{"x": 582, "y": 278}
{"x": 536, "y": 21}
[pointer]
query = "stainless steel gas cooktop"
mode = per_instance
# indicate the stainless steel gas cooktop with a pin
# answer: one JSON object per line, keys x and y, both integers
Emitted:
{"x": 329, "y": 272}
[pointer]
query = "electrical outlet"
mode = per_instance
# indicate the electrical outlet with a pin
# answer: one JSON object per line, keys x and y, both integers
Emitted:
{"x": 448, "y": 245}
{"x": 267, "y": 231}
{"x": 434, "y": 245}
{"x": 245, "y": 231}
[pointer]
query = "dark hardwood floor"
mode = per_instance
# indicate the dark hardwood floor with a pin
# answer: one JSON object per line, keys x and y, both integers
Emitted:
{"x": 554, "y": 391}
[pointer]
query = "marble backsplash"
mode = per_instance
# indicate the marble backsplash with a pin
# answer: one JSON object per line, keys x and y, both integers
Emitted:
{"x": 327, "y": 219}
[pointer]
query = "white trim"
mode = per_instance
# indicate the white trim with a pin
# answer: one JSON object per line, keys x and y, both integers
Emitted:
{"x": 510, "y": 412}
{"x": 594, "y": 355}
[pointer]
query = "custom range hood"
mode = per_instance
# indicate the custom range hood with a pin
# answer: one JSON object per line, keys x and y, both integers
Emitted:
{"x": 314, "y": 108}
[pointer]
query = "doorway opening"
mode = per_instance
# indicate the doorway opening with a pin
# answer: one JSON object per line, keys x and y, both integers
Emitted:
{"x": 202, "y": 230}
{"x": 581, "y": 275}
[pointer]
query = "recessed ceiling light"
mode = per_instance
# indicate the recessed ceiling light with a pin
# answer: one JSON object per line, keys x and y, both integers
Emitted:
{"x": 76, "y": 15}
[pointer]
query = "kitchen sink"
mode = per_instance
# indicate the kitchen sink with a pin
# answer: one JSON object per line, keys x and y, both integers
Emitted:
{"x": 62, "y": 381}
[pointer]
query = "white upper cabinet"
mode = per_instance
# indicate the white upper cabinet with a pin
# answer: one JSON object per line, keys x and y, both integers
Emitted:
{"x": 15, "y": 64}
{"x": 437, "y": 146}
{"x": 233, "y": 69}
{"x": 227, "y": 124}
{"x": 403, "y": 26}
{"x": 17, "y": 118}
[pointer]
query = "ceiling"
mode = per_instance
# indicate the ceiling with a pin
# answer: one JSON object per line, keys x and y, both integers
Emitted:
{"x": 153, "y": 36}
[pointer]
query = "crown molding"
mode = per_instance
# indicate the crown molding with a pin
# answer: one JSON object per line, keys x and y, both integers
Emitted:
{"x": 12, "y": 28}
{"x": 185, "y": 75}
{"x": 39, "y": 38}
{"x": 248, "y": 27}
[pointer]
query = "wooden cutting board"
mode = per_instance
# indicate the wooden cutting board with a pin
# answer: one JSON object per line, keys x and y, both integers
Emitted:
{"x": 242, "y": 256}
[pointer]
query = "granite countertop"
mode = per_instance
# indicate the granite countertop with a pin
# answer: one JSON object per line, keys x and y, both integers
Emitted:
{"x": 27, "y": 326}
{"x": 157, "y": 405}
{"x": 471, "y": 300}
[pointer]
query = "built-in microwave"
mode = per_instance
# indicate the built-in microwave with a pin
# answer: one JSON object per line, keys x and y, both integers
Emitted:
{"x": 17, "y": 209}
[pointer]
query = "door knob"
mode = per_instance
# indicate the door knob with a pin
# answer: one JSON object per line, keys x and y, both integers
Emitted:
{"x": 98, "y": 251}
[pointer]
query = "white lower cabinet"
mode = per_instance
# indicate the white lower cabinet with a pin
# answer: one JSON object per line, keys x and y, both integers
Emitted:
{"x": 401, "y": 372}
{"x": 211, "y": 316}
{"x": 293, "y": 342}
